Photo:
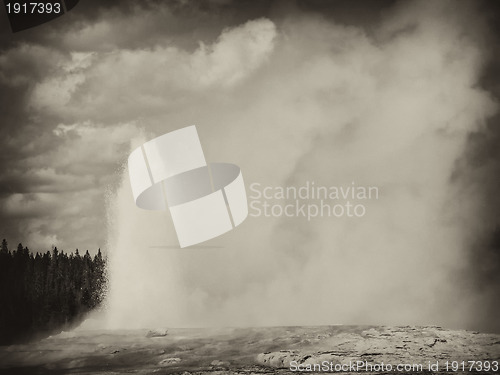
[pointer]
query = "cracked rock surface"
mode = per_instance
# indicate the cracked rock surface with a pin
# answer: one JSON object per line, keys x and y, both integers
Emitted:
{"x": 393, "y": 346}
{"x": 249, "y": 350}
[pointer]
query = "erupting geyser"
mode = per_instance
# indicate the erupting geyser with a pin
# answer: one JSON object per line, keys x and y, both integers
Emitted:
{"x": 317, "y": 101}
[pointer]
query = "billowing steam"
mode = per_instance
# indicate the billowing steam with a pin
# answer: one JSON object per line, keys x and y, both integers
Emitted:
{"x": 304, "y": 99}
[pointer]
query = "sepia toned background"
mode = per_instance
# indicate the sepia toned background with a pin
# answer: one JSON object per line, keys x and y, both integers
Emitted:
{"x": 399, "y": 95}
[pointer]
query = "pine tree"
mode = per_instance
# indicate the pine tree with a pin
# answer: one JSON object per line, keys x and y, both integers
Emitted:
{"x": 45, "y": 292}
{"x": 5, "y": 248}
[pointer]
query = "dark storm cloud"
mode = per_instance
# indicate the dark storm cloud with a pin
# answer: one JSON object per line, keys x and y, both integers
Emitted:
{"x": 140, "y": 24}
{"x": 104, "y": 25}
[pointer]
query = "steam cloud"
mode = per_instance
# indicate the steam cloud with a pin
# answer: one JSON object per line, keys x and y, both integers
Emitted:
{"x": 305, "y": 99}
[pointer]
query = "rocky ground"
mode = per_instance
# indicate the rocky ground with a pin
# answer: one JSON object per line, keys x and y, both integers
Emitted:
{"x": 276, "y": 350}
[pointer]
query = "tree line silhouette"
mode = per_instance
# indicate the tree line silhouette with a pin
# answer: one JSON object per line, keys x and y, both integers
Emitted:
{"x": 42, "y": 293}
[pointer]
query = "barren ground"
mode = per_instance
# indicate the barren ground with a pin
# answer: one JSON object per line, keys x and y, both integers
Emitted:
{"x": 248, "y": 350}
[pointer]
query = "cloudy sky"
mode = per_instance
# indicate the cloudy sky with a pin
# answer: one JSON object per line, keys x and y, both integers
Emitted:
{"x": 399, "y": 95}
